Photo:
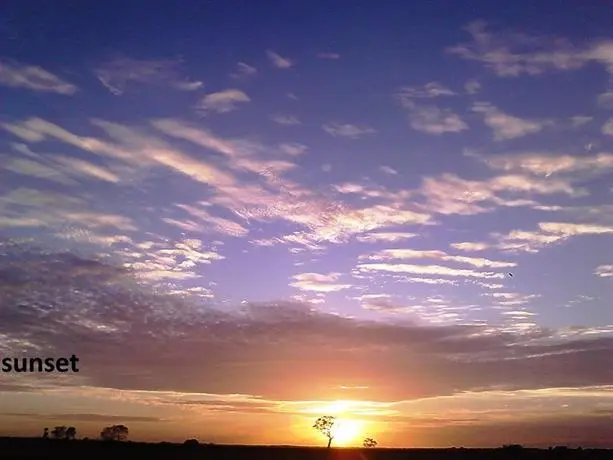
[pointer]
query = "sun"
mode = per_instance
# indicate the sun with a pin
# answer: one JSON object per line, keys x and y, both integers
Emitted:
{"x": 347, "y": 432}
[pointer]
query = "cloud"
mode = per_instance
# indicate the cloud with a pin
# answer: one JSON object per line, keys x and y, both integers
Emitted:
{"x": 278, "y": 61}
{"x": 580, "y": 120}
{"x": 430, "y": 119}
{"x": 347, "y": 130}
{"x": 57, "y": 168}
{"x": 16, "y": 75}
{"x": 103, "y": 418}
{"x": 329, "y": 56}
{"x": 282, "y": 199}
{"x": 293, "y": 148}
{"x": 542, "y": 164}
{"x": 388, "y": 237}
{"x": 449, "y": 194}
{"x": 429, "y": 90}
{"x": 434, "y": 120}
{"x": 318, "y": 282}
{"x": 388, "y": 170}
{"x": 425, "y": 270}
{"x": 604, "y": 271}
{"x": 288, "y": 120}
{"x": 548, "y": 233}
{"x": 513, "y": 55}
{"x": 507, "y": 126}
{"x": 209, "y": 222}
{"x": 35, "y": 169}
{"x": 117, "y": 73}
{"x": 391, "y": 254}
{"x": 432, "y": 281}
{"x": 223, "y": 101}
{"x": 472, "y": 86}
{"x": 310, "y": 352}
{"x": 605, "y": 100}
{"x": 607, "y": 128}
{"x": 470, "y": 246}
{"x": 133, "y": 148}
{"x": 244, "y": 71}
{"x": 85, "y": 168}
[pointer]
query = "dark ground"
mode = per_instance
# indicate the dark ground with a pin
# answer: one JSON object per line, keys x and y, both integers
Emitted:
{"x": 36, "y": 448}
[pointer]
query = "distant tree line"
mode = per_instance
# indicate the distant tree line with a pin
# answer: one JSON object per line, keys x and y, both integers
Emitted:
{"x": 109, "y": 433}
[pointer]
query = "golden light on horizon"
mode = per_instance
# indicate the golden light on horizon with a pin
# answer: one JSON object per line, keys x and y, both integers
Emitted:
{"x": 348, "y": 432}
{"x": 349, "y": 429}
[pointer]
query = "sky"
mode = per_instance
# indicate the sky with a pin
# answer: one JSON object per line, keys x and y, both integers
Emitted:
{"x": 241, "y": 216}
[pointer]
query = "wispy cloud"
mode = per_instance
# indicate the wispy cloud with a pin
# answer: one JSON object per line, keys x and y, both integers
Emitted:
{"x": 117, "y": 73}
{"x": 470, "y": 246}
{"x": 472, "y": 86}
{"x": 244, "y": 71}
{"x": 289, "y": 120}
{"x": 391, "y": 254}
{"x": 329, "y": 56}
{"x": 318, "y": 282}
{"x": 607, "y": 128}
{"x": 430, "y": 119}
{"x": 223, "y": 101}
{"x": 434, "y": 120}
{"x": 605, "y": 99}
{"x": 388, "y": 237}
{"x": 548, "y": 233}
{"x": 429, "y": 90}
{"x": 505, "y": 126}
{"x": 278, "y": 61}
{"x": 513, "y": 54}
{"x": 604, "y": 271}
{"x": 34, "y": 78}
{"x": 347, "y": 130}
{"x": 388, "y": 170}
{"x": 435, "y": 270}
{"x": 293, "y": 148}
{"x": 543, "y": 164}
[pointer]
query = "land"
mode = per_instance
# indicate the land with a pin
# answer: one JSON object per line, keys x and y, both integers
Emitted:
{"x": 37, "y": 448}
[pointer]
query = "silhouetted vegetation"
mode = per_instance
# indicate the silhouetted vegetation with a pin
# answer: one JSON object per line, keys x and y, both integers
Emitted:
{"x": 59, "y": 432}
{"x": 325, "y": 425}
{"x": 114, "y": 433}
{"x": 71, "y": 433}
{"x": 39, "y": 448}
{"x": 369, "y": 443}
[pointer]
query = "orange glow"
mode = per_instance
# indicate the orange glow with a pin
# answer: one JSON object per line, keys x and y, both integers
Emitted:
{"x": 348, "y": 432}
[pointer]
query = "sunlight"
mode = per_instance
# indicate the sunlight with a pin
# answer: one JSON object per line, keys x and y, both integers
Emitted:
{"x": 348, "y": 432}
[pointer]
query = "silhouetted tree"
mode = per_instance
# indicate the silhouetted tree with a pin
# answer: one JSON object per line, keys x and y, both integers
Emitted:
{"x": 191, "y": 442}
{"x": 59, "y": 432}
{"x": 114, "y": 433}
{"x": 369, "y": 442}
{"x": 325, "y": 425}
{"x": 71, "y": 432}
{"x": 46, "y": 433}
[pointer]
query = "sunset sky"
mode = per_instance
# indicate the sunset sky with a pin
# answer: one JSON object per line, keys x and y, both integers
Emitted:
{"x": 242, "y": 215}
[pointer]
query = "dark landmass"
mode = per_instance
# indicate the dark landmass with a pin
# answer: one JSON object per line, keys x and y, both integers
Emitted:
{"x": 36, "y": 448}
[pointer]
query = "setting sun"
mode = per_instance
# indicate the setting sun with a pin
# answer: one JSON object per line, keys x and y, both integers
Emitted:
{"x": 348, "y": 432}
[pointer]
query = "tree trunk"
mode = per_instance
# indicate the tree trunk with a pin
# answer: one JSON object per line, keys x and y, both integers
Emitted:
{"x": 329, "y": 441}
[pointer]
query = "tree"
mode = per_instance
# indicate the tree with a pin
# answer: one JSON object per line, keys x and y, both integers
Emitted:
{"x": 114, "y": 433}
{"x": 59, "y": 432}
{"x": 369, "y": 442}
{"x": 46, "y": 433}
{"x": 325, "y": 425}
{"x": 71, "y": 433}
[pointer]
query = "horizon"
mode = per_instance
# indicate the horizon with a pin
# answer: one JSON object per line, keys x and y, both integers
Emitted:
{"x": 238, "y": 218}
